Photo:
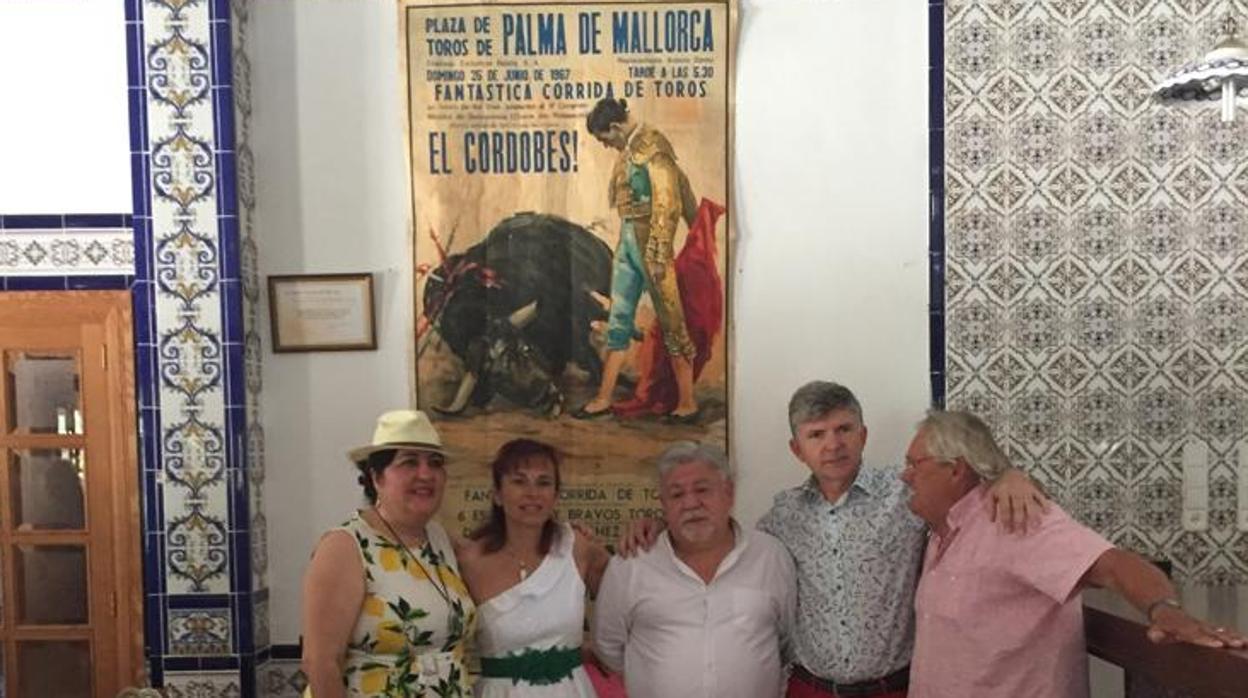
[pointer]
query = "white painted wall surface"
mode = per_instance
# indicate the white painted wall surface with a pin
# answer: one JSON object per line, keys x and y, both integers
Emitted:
{"x": 830, "y": 277}
{"x": 64, "y": 120}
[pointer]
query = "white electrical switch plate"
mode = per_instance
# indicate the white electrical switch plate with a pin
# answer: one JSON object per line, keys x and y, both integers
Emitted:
{"x": 1195, "y": 486}
{"x": 1241, "y": 514}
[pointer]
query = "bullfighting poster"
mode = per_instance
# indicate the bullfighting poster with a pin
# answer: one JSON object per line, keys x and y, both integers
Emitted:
{"x": 570, "y": 179}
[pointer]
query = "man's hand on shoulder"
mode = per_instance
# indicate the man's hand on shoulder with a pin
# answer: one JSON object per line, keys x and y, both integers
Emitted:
{"x": 585, "y": 532}
{"x": 638, "y": 537}
{"x": 1015, "y": 501}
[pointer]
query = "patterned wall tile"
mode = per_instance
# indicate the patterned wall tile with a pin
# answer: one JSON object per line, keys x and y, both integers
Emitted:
{"x": 186, "y": 269}
{"x": 67, "y": 251}
{"x": 253, "y": 324}
{"x": 202, "y": 684}
{"x": 199, "y": 631}
{"x": 1096, "y": 279}
{"x": 280, "y": 679}
{"x": 260, "y": 624}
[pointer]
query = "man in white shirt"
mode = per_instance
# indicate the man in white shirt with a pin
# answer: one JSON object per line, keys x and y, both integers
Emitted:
{"x": 705, "y": 612}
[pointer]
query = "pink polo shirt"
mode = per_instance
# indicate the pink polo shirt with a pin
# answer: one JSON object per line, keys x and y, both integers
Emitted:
{"x": 997, "y": 613}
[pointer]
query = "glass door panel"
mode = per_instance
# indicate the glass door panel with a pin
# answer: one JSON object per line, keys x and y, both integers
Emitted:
{"x": 60, "y": 668}
{"x": 48, "y": 489}
{"x": 51, "y": 584}
{"x": 44, "y": 394}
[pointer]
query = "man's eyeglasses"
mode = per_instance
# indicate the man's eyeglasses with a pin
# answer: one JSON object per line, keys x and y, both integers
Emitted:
{"x": 914, "y": 463}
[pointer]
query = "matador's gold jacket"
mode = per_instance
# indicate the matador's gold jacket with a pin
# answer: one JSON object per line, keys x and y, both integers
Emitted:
{"x": 649, "y": 189}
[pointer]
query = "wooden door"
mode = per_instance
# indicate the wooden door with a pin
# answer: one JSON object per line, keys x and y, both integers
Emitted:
{"x": 71, "y": 601}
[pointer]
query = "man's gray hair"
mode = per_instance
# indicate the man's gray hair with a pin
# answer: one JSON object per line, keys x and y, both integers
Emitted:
{"x": 818, "y": 399}
{"x": 951, "y": 434}
{"x": 683, "y": 452}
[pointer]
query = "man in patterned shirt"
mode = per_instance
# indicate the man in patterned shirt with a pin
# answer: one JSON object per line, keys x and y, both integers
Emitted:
{"x": 857, "y": 548}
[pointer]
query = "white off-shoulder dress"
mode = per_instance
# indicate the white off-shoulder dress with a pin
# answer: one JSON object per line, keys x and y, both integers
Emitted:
{"x": 529, "y": 637}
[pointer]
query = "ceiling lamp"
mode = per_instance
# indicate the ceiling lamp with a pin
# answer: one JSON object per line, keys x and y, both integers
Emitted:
{"x": 1220, "y": 74}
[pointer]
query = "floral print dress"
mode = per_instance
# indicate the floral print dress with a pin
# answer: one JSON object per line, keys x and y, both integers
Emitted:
{"x": 409, "y": 639}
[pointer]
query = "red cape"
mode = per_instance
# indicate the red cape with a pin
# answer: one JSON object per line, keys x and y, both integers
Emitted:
{"x": 702, "y": 296}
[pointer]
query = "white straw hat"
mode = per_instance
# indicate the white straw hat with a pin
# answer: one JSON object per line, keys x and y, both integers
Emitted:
{"x": 400, "y": 429}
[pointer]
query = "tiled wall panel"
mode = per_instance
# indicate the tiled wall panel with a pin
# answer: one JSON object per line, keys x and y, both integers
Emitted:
{"x": 187, "y": 253}
{"x": 1096, "y": 262}
{"x": 197, "y": 273}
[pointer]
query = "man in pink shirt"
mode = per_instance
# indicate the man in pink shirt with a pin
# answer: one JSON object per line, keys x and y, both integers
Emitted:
{"x": 1000, "y": 615}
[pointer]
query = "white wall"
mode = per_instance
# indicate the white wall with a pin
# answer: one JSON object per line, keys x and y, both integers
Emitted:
{"x": 64, "y": 128}
{"x": 831, "y": 278}
{"x": 831, "y": 204}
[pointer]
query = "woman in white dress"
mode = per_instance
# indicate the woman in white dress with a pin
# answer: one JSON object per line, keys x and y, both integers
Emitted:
{"x": 529, "y": 574}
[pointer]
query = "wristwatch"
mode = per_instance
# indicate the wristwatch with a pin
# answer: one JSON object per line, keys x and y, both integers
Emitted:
{"x": 1164, "y": 601}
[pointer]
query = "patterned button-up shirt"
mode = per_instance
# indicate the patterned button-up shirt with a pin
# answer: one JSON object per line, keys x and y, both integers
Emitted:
{"x": 857, "y": 562}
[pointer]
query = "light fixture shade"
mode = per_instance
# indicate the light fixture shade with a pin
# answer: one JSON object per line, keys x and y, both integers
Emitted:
{"x": 1221, "y": 74}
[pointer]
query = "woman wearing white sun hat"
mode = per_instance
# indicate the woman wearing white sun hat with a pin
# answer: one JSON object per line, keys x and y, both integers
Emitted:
{"x": 385, "y": 611}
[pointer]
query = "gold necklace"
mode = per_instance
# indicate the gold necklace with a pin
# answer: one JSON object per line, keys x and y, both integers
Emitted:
{"x": 409, "y": 555}
{"x": 521, "y": 563}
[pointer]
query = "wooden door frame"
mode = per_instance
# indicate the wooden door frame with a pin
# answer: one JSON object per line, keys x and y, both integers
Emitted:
{"x": 107, "y": 318}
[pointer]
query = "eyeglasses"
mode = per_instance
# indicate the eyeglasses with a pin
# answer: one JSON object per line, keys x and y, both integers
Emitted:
{"x": 911, "y": 464}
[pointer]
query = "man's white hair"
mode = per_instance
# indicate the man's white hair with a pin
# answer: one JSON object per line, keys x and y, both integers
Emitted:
{"x": 683, "y": 452}
{"x": 951, "y": 434}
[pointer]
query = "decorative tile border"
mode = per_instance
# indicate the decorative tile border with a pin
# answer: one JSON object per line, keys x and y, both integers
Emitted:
{"x": 280, "y": 678}
{"x": 260, "y": 617}
{"x": 936, "y": 199}
{"x": 73, "y": 245}
{"x": 92, "y": 282}
{"x": 252, "y": 322}
{"x": 202, "y": 684}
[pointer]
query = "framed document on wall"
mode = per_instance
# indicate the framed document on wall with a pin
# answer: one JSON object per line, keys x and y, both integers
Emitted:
{"x": 322, "y": 312}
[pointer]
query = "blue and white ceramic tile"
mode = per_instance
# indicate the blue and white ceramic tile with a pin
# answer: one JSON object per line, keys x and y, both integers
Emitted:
{"x": 199, "y": 631}
{"x": 186, "y": 270}
{"x": 202, "y": 684}
{"x": 66, "y": 252}
{"x": 1096, "y": 278}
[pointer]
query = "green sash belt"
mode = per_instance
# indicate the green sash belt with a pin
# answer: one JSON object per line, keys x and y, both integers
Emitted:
{"x": 534, "y": 667}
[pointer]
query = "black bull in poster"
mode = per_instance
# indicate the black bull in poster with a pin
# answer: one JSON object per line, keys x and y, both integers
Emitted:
{"x": 517, "y": 307}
